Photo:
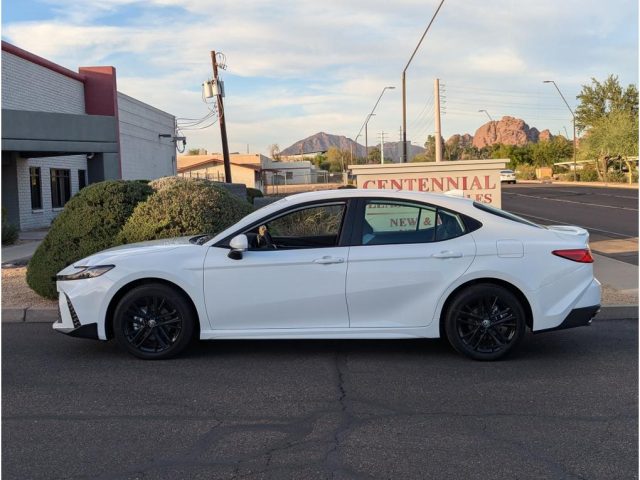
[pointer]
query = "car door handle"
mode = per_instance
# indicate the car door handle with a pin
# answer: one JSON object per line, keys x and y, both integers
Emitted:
{"x": 447, "y": 254}
{"x": 328, "y": 260}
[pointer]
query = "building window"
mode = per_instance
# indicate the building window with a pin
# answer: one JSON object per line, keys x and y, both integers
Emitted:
{"x": 60, "y": 187}
{"x": 36, "y": 188}
{"x": 289, "y": 175}
{"x": 82, "y": 179}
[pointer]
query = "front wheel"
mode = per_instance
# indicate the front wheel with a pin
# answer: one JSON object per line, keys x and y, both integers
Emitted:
{"x": 485, "y": 322}
{"x": 153, "y": 322}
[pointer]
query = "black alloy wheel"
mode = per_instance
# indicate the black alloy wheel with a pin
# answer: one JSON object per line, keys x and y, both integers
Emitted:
{"x": 153, "y": 321}
{"x": 485, "y": 322}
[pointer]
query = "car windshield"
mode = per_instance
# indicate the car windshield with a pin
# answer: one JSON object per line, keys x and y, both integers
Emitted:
{"x": 501, "y": 213}
{"x": 200, "y": 239}
{"x": 506, "y": 171}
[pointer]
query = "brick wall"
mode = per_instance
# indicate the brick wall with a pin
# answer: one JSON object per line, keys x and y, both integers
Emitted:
{"x": 32, "y": 219}
{"x": 27, "y": 86}
{"x": 143, "y": 153}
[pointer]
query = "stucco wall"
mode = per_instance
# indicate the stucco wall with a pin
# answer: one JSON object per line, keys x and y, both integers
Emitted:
{"x": 143, "y": 153}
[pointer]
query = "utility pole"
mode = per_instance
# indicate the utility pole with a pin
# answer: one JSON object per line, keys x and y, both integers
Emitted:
{"x": 436, "y": 108}
{"x": 221, "y": 120}
{"x": 366, "y": 137}
{"x": 575, "y": 145}
{"x": 382, "y": 147}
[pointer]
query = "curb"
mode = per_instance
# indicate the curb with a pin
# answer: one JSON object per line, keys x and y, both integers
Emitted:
{"x": 632, "y": 186}
{"x": 50, "y": 315}
{"x": 29, "y": 315}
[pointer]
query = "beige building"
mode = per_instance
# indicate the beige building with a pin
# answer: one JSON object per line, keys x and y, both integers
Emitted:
{"x": 254, "y": 170}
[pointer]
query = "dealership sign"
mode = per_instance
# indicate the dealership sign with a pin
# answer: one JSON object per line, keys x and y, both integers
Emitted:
{"x": 477, "y": 179}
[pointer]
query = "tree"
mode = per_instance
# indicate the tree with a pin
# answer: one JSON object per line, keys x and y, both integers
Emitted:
{"x": 599, "y": 100}
{"x": 338, "y": 159}
{"x": 612, "y": 137}
{"x": 274, "y": 151}
{"x": 374, "y": 155}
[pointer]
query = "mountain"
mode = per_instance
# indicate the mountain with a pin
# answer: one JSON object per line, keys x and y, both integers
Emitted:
{"x": 320, "y": 142}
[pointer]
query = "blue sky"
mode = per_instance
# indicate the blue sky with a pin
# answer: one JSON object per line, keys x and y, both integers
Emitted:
{"x": 299, "y": 67}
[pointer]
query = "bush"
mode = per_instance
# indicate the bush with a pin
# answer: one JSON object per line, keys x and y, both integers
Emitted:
{"x": 183, "y": 206}
{"x": 90, "y": 222}
{"x": 253, "y": 193}
{"x": 617, "y": 177}
{"x": 588, "y": 174}
{"x": 526, "y": 172}
{"x": 9, "y": 231}
{"x": 348, "y": 185}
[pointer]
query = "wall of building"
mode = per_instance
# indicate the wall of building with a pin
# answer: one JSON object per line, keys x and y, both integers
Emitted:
{"x": 33, "y": 219}
{"x": 145, "y": 155}
{"x": 28, "y": 86}
{"x": 216, "y": 173}
{"x": 32, "y": 87}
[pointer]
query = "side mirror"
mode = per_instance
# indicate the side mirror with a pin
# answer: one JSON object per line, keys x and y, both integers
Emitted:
{"x": 238, "y": 244}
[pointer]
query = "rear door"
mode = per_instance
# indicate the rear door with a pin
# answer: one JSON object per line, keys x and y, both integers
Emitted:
{"x": 403, "y": 257}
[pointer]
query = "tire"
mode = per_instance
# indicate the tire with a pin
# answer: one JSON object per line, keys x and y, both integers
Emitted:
{"x": 154, "y": 322}
{"x": 485, "y": 322}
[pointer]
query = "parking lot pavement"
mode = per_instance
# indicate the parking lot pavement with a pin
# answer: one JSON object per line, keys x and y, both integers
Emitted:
{"x": 564, "y": 406}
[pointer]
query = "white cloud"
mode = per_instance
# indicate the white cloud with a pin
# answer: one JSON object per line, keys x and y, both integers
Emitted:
{"x": 298, "y": 67}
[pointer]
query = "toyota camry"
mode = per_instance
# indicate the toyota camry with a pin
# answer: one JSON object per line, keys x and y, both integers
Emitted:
{"x": 361, "y": 264}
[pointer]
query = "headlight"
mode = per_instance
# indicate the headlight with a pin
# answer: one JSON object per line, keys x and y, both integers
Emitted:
{"x": 85, "y": 272}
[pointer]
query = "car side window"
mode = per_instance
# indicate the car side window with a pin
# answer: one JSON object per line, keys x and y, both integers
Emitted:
{"x": 312, "y": 227}
{"x": 390, "y": 222}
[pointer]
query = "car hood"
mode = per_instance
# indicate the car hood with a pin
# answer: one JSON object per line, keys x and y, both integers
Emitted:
{"x": 141, "y": 248}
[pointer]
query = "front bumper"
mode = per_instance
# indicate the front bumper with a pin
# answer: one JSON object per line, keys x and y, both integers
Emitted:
{"x": 69, "y": 323}
{"x": 578, "y": 317}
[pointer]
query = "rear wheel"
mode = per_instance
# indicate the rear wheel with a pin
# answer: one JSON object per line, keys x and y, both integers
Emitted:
{"x": 153, "y": 322}
{"x": 485, "y": 322}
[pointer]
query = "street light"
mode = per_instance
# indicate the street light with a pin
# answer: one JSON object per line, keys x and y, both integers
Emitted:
{"x": 366, "y": 137}
{"x": 575, "y": 173}
{"x": 491, "y": 119}
{"x": 404, "y": 89}
{"x": 368, "y": 117}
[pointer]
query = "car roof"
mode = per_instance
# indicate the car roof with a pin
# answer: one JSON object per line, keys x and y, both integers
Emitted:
{"x": 456, "y": 203}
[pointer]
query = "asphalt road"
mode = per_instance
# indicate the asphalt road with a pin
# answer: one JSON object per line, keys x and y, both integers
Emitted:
{"x": 564, "y": 407}
{"x": 607, "y": 213}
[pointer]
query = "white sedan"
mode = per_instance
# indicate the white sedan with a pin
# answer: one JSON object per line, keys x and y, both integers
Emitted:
{"x": 340, "y": 264}
{"x": 508, "y": 176}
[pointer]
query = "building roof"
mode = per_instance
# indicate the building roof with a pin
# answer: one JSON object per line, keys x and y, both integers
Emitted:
{"x": 212, "y": 161}
{"x": 43, "y": 62}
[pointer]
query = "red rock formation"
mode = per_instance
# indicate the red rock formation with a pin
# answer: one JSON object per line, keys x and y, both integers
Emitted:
{"x": 508, "y": 130}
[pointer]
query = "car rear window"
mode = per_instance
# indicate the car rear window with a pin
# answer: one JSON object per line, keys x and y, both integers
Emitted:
{"x": 501, "y": 213}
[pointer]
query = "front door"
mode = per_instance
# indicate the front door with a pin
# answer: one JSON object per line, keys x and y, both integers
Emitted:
{"x": 292, "y": 276}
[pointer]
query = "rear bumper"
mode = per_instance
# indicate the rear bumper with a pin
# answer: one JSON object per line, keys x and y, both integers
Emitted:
{"x": 578, "y": 317}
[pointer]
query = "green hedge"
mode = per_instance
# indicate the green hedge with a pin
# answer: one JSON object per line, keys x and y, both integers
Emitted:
{"x": 9, "y": 230}
{"x": 90, "y": 222}
{"x": 183, "y": 206}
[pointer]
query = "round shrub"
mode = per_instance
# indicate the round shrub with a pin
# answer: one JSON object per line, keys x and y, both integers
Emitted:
{"x": 90, "y": 222}
{"x": 252, "y": 194}
{"x": 346, "y": 186}
{"x": 183, "y": 206}
{"x": 588, "y": 174}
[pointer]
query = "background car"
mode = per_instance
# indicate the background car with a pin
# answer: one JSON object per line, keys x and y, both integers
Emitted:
{"x": 340, "y": 264}
{"x": 508, "y": 176}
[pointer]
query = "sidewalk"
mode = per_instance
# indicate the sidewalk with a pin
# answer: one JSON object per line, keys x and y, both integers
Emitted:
{"x": 28, "y": 242}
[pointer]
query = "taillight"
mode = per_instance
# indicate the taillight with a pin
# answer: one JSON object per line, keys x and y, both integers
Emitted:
{"x": 581, "y": 255}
